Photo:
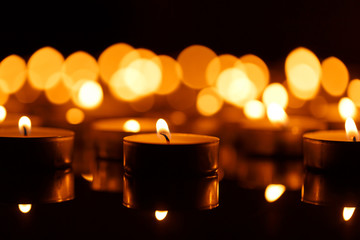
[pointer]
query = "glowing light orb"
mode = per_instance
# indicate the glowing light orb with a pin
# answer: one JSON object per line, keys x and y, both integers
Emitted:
{"x": 75, "y": 116}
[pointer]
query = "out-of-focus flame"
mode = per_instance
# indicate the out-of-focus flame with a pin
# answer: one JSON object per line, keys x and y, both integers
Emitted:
{"x": 131, "y": 126}
{"x": 275, "y": 93}
{"x": 254, "y": 109}
{"x": 335, "y": 76}
{"x": 89, "y": 94}
{"x": 348, "y": 213}
{"x": 273, "y": 192}
{"x": 353, "y": 90}
{"x": 160, "y": 215}
{"x": 75, "y": 116}
{"x": 347, "y": 108}
{"x": 162, "y": 129}
{"x": 87, "y": 176}
{"x": 24, "y": 125}
{"x": 351, "y": 130}
{"x": 209, "y": 101}
{"x": 3, "y": 113}
{"x": 276, "y": 114}
{"x": 24, "y": 208}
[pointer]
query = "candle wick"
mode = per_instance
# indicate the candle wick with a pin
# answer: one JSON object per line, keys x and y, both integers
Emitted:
{"x": 25, "y": 131}
{"x": 354, "y": 138}
{"x": 166, "y": 137}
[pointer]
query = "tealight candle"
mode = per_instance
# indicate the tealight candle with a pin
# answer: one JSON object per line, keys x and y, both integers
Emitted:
{"x": 108, "y": 134}
{"x": 332, "y": 149}
{"x": 170, "y": 171}
{"x": 36, "y": 147}
{"x": 279, "y": 137}
{"x": 169, "y": 154}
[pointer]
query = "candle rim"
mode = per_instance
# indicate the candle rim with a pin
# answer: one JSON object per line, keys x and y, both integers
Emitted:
{"x": 211, "y": 139}
{"x": 339, "y": 137}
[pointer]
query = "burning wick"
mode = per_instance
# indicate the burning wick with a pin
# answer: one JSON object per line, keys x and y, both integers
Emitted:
{"x": 166, "y": 137}
{"x": 25, "y": 131}
{"x": 354, "y": 139}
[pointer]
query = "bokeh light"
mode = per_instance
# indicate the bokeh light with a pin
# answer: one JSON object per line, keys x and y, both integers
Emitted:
{"x": 24, "y": 208}
{"x": 171, "y": 75}
{"x": 275, "y": 93}
{"x": 74, "y": 116}
{"x": 257, "y": 71}
{"x": 132, "y": 125}
{"x": 347, "y": 108}
{"x": 235, "y": 87}
{"x": 208, "y": 101}
{"x": 59, "y": 93}
{"x": 87, "y": 94}
{"x": 335, "y": 76}
{"x": 303, "y": 72}
{"x": 217, "y": 65}
{"x": 78, "y": 66}
{"x": 276, "y": 114}
{"x": 13, "y": 71}
{"x": 353, "y": 91}
{"x": 110, "y": 59}
{"x": 274, "y": 191}
{"x": 3, "y": 113}
{"x": 254, "y": 109}
{"x": 194, "y": 61}
{"x": 45, "y": 68}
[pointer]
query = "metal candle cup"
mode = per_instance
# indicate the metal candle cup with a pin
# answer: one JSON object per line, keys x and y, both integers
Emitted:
{"x": 44, "y": 147}
{"x": 330, "y": 150}
{"x": 108, "y": 135}
{"x": 171, "y": 173}
{"x": 185, "y": 154}
{"x": 262, "y": 138}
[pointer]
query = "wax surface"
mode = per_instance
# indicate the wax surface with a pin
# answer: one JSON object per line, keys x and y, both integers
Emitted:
{"x": 117, "y": 124}
{"x": 36, "y": 132}
{"x": 329, "y": 135}
{"x": 176, "y": 139}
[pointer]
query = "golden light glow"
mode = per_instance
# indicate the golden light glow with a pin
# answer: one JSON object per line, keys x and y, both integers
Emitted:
{"x": 353, "y": 91}
{"x": 217, "y": 65}
{"x": 254, "y": 109}
{"x": 303, "y": 73}
{"x": 275, "y": 93}
{"x": 24, "y": 208}
{"x": 45, "y": 67}
{"x": 347, "y": 108}
{"x": 74, "y": 116}
{"x": 13, "y": 73}
{"x": 171, "y": 75}
{"x": 348, "y": 213}
{"x": 208, "y": 101}
{"x": 276, "y": 114}
{"x": 118, "y": 86}
{"x": 3, "y": 113}
{"x": 274, "y": 191}
{"x": 88, "y": 94}
{"x": 59, "y": 93}
{"x": 140, "y": 53}
{"x": 194, "y": 61}
{"x": 235, "y": 87}
{"x": 24, "y": 125}
{"x": 110, "y": 59}
{"x": 257, "y": 71}
{"x": 162, "y": 129}
{"x": 160, "y": 215}
{"x": 132, "y": 126}
{"x": 78, "y": 66}
{"x": 150, "y": 78}
{"x": 88, "y": 177}
{"x": 351, "y": 130}
{"x": 335, "y": 76}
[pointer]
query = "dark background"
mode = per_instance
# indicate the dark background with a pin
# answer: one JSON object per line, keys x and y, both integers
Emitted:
{"x": 269, "y": 29}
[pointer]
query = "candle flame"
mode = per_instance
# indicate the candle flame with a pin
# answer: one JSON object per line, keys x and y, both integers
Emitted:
{"x": 276, "y": 114}
{"x": 131, "y": 126}
{"x": 24, "y": 208}
{"x": 347, "y": 108}
{"x": 273, "y": 192}
{"x": 162, "y": 129}
{"x": 160, "y": 215}
{"x": 351, "y": 130}
{"x": 2, "y": 113}
{"x": 348, "y": 213}
{"x": 24, "y": 125}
